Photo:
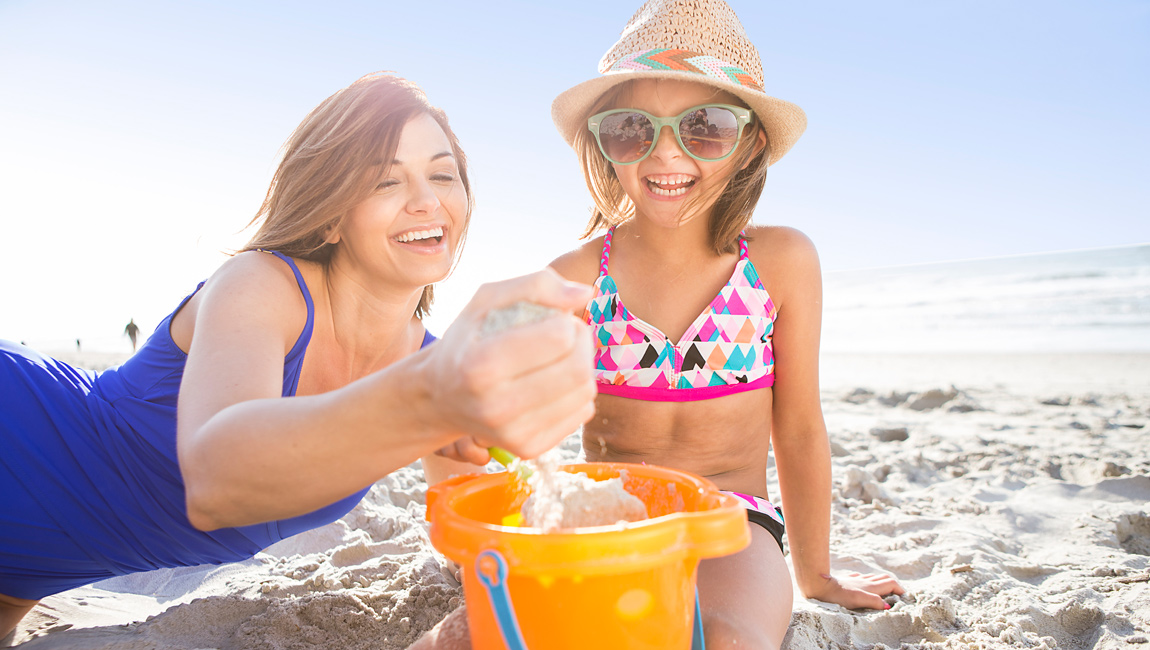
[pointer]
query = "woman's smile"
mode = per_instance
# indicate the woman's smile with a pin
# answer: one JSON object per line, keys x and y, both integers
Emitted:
{"x": 423, "y": 239}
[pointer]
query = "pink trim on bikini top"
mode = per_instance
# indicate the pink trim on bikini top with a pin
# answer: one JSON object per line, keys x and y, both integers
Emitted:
{"x": 726, "y": 350}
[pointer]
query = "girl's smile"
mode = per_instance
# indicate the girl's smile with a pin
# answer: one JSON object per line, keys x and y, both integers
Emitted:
{"x": 669, "y": 186}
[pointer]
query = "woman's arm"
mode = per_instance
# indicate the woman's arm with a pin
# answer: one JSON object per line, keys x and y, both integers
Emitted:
{"x": 248, "y": 455}
{"x": 798, "y": 432}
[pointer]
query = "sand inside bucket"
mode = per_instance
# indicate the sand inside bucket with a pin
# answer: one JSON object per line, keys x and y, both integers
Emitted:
{"x": 562, "y": 499}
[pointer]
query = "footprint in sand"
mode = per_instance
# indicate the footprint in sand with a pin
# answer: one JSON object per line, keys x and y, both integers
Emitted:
{"x": 1133, "y": 532}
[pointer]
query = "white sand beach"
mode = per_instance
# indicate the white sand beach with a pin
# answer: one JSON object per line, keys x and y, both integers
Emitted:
{"x": 1009, "y": 493}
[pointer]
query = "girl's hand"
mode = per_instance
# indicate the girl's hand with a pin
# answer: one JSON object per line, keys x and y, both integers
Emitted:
{"x": 524, "y": 389}
{"x": 465, "y": 450}
{"x": 859, "y": 590}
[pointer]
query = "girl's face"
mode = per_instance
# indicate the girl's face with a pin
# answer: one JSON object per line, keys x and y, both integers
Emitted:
{"x": 408, "y": 229}
{"x": 662, "y": 183}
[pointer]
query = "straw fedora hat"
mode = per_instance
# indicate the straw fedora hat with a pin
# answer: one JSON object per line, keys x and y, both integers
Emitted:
{"x": 688, "y": 40}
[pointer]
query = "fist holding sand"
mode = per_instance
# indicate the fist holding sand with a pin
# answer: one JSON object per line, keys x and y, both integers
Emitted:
{"x": 515, "y": 369}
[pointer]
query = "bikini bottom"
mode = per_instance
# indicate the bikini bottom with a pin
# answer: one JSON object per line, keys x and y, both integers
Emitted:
{"x": 761, "y": 512}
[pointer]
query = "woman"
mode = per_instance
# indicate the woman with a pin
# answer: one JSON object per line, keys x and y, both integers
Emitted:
{"x": 301, "y": 369}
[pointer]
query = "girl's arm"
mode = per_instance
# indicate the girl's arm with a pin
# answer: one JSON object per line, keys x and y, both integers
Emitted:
{"x": 580, "y": 265}
{"x": 437, "y": 468}
{"x": 798, "y": 432}
{"x": 248, "y": 455}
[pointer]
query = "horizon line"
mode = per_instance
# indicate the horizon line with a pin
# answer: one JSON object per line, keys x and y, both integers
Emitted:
{"x": 991, "y": 257}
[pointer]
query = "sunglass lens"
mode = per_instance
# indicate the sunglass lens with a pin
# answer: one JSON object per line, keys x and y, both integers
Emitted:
{"x": 709, "y": 133}
{"x": 625, "y": 136}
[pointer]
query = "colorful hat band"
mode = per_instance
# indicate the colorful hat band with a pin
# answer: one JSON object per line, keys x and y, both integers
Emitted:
{"x": 685, "y": 61}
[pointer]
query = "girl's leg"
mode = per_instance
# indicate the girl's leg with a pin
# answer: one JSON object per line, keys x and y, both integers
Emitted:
{"x": 11, "y": 611}
{"x": 746, "y": 598}
{"x": 449, "y": 634}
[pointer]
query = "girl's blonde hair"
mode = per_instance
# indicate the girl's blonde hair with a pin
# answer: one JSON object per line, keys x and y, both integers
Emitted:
{"x": 332, "y": 162}
{"x": 733, "y": 194}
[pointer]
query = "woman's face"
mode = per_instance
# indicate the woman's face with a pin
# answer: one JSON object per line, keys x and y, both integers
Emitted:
{"x": 409, "y": 228}
{"x": 661, "y": 183}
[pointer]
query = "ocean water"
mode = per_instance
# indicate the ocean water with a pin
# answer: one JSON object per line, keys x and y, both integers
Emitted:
{"x": 1079, "y": 301}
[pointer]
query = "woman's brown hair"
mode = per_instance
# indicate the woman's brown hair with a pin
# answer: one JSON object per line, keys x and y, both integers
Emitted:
{"x": 331, "y": 163}
{"x": 738, "y": 188}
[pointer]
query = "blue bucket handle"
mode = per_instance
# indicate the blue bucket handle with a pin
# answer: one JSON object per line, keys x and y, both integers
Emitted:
{"x": 492, "y": 571}
{"x": 697, "y": 642}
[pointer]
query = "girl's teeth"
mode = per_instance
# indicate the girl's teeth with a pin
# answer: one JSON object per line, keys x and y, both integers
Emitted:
{"x": 665, "y": 192}
{"x": 670, "y": 185}
{"x": 670, "y": 179}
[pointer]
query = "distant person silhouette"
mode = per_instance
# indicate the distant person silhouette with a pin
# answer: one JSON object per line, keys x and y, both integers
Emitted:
{"x": 132, "y": 330}
{"x": 77, "y": 345}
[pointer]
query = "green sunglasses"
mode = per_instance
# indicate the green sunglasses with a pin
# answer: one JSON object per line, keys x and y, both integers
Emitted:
{"x": 708, "y": 133}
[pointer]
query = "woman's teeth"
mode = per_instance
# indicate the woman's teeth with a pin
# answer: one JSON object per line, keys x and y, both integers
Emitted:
{"x": 670, "y": 184}
{"x": 436, "y": 233}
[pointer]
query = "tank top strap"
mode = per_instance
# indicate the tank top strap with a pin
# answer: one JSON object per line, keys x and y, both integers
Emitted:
{"x": 606, "y": 256}
{"x": 743, "y": 251}
{"x": 305, "y": 335}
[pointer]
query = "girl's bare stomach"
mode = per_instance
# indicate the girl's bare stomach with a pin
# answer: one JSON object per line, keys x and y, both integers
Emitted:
{"x": 726, "y": 439}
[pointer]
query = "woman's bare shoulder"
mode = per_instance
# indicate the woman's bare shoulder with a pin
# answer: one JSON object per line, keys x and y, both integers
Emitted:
{"x": 258, "y": 283}
{"x": 582, "y": 263}
{"x": 254, "y": 289}
{"x": 256, "y": 271}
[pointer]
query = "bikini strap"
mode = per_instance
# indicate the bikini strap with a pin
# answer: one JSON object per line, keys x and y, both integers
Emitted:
{"x": 743, "y": 252}
{"x": 606, "y": 251}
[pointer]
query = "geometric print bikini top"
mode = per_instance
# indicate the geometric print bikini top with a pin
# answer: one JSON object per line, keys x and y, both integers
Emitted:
{"x": 726, "y": 350}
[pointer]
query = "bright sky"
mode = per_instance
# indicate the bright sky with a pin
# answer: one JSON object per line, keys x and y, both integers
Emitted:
{"x": 137, "y": 138}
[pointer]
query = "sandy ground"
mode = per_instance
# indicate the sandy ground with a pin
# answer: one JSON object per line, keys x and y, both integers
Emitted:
{"x": 1010, "y": 494}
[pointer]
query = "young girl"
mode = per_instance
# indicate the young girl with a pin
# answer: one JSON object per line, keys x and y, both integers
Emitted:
{"x": 707, "y": 330}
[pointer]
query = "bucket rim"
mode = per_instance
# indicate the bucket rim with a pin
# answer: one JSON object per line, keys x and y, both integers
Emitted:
{"x": 718, "y": 530}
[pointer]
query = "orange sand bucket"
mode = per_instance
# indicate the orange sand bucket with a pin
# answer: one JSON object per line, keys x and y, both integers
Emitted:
{"x": 627, "y": 586}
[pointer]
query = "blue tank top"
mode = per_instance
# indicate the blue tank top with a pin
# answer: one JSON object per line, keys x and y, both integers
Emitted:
{"x": 108, "y": 473}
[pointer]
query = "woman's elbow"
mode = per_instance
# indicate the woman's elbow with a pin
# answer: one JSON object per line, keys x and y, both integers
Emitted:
{"x": 202, "y": 513}
{"x": 204, "y": 501}
{"x": 202, "y": 498}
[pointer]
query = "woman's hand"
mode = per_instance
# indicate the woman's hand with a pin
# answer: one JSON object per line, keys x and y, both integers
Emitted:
{"x": 524, "y": 389}
{"x": 858, "y": 590}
